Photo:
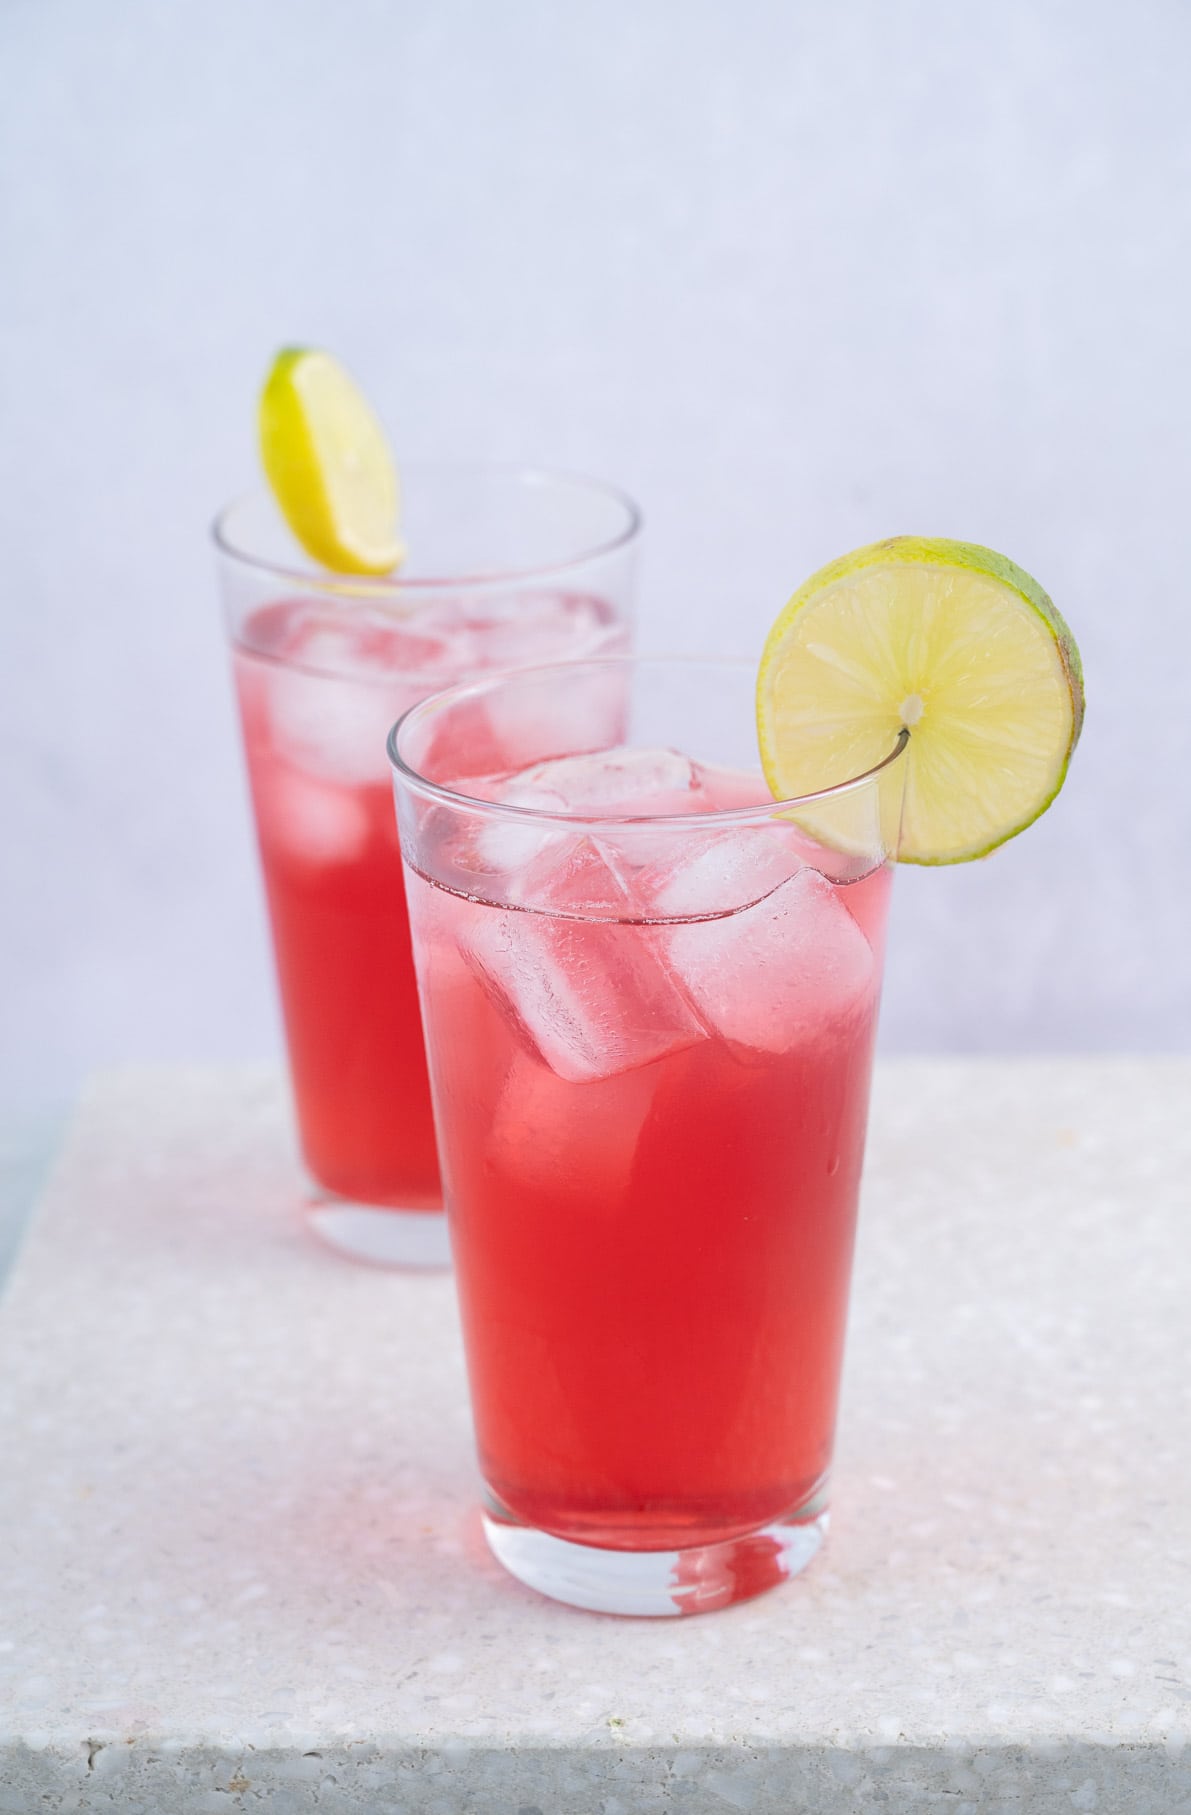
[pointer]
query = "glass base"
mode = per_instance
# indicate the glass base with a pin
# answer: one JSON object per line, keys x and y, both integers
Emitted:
{"x": 657, "y": 1583}
{"x": 415, "y": 1239}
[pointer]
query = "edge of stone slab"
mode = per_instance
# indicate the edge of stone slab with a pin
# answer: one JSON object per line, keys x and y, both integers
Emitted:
{"x": 140, "y": 1776}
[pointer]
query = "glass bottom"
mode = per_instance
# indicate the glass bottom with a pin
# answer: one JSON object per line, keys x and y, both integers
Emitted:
{"x": 656, "y": 1584}
{"x": 379, "y": 1236}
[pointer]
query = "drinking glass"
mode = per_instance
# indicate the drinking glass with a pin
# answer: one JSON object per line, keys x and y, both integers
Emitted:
{"x": 650, "y": 995}
{"x": 505, "y": 566}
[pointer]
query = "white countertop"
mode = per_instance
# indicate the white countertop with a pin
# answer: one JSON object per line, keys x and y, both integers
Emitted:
{"x": 240, "y": 1565}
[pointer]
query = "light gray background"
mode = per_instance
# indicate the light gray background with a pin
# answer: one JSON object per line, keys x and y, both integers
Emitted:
{"x": 797, "y": 276}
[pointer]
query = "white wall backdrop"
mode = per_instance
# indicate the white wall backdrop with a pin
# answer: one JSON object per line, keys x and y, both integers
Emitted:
{"x": 797, "y": 275}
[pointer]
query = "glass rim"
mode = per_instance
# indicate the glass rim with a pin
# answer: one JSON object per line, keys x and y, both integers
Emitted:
{"x": 456, "y": 800}
{"x": 361, "y": 587}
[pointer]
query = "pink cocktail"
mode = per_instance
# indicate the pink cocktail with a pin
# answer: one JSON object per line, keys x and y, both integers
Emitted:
{"x": 650, "y": 996}
{"x": 323, "y": 667}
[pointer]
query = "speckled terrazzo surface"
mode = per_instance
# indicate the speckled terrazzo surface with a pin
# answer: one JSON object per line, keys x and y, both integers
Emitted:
{"x": 240, "y": 1566}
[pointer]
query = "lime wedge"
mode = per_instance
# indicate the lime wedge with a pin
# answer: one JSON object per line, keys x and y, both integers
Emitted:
{"x": 952, "y": 642}
{"x": 328, "y": 462}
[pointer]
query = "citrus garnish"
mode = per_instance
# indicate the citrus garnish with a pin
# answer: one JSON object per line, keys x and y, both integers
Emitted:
{"x": 951, "y": 642}
{"x": 329, "y": 464}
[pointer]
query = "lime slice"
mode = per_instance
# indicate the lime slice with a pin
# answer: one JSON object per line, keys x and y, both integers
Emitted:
{"x": 328, "y": 462}
{"x": 952, "y": 642}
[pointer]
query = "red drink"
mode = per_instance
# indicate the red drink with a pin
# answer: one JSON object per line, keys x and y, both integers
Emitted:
{"x": 653, "y": 1267}
{"x": 650, "y": 1006}
{"x": 332, "y": 869}
{"x": 319, "y": 689}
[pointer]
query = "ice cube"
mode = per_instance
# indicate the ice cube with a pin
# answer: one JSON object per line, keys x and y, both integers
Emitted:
{"x": 309, "y": 820}
{"x": 334, "y": 727}
{"x": 581, "y": 708}
{"x": 576, "y": 874}
{"x": 368, "y": 650}
{"x": 779, "y": 973}
{"x": 572, "y": 1143}
{"x": 610, "y": 781}
{"x": 537, "y": 627}
{"x": 346, "y": 676}
{"x": 504, "y": 846}
{"x": 592, "y": 997}
{"x": 716, "y": 872}
{"x": 622, "y": 781}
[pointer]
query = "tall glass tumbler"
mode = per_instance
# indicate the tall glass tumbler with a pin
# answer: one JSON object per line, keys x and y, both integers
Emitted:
{"x": 650, "y": 995}
{"x": 506, "y": 567}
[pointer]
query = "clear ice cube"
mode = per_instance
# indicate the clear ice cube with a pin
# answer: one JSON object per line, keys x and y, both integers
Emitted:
{"x": 576, "y": 875}
{"x": 584, "y": 708}
{"x": 366, "y": 648}
{"x": 618, "y": 781}
{"x": 344, "y": 681}
{"x": 716, "y": 872}
{"x": 593, "y": 997}
{"x": 313, "y": 820}
{"x": 779, "y": 973}
{"x": 621, "y": 781}
{"x": 536, "y": 627}
{"x": 552, "y": 1138}
{"x": 503, "y": 846}
{"x": 330, "y": 727}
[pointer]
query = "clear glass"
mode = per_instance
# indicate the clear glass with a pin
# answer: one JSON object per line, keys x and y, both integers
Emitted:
{"x": 650, "y": 996}
{"x": 505, "y": 567}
